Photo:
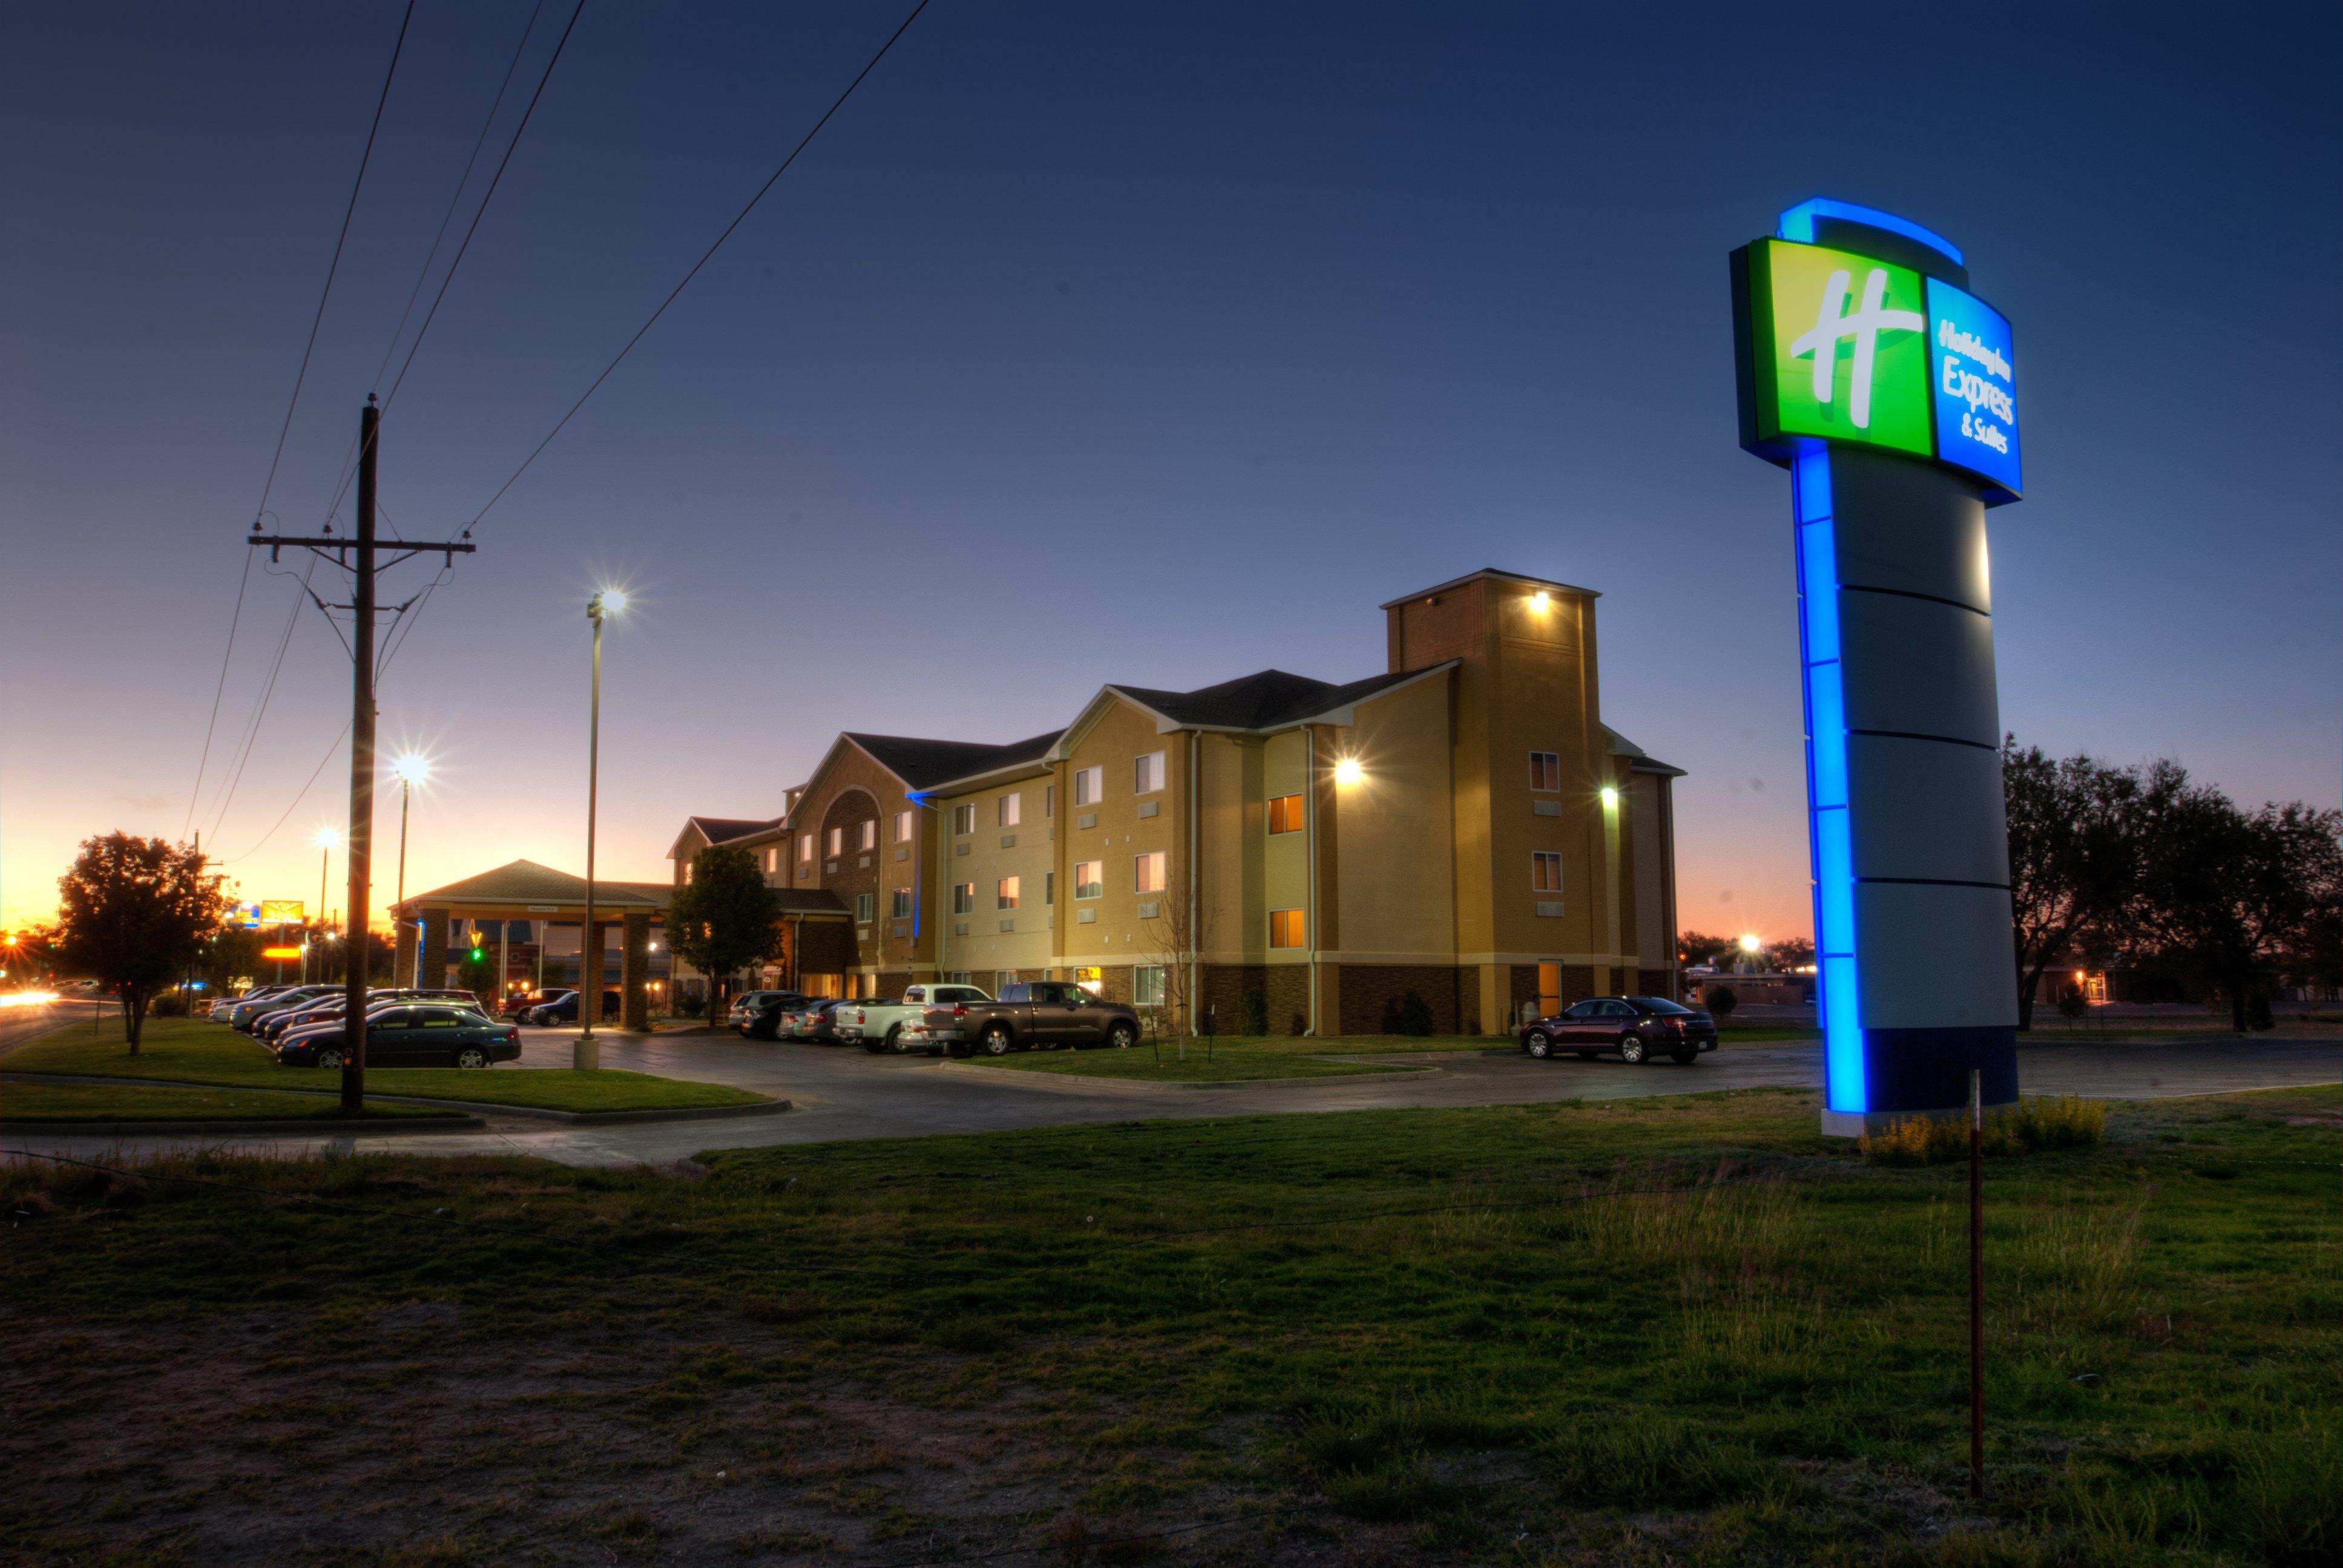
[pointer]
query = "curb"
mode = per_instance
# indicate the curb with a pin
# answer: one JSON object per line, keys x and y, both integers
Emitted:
{"x": 28, "y": 1126}
{"x": 1157, "y": 1085}
{"x": 475, "y": 1109}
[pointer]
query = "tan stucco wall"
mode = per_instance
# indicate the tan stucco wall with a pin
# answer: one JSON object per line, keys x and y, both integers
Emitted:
{"x": 1396, "y": 887}
{"x": 979, "y": 857}
{"x": 1113, "y": 742}
{"x": 878, "y": 949}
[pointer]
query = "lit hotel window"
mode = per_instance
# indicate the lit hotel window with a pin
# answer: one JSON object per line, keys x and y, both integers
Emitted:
{"x": 902, "y": 826}
{"x": 1546, "y": 770}
{"x": 1004, "y": 893}
{"x": 836, "y": 840}
{"x": 964, "y": 819}
{"x": 1012, "y": 807}
{"x": 963, "y": 897}
{"x": 870, "y": 834}
{"x": 1545, "y": 870}
{"x": 1090, "y": 783}
{"x": 1287, "y": 928}
{"x": 1090, "y": 878}
{"x": 1285, "y": 814}
{"x": 805, "y": 848}
{"x": 1147, "y": 774}
{"x": 1148, "y": 872}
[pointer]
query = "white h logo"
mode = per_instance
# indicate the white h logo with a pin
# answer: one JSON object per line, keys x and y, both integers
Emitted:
{"x": 1864, "y": 325}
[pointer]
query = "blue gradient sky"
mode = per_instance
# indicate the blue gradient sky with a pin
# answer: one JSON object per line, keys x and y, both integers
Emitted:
{"x": 1146, "y": 343}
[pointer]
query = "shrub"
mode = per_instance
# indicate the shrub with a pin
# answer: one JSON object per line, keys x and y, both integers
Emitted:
{"x": 1252, "y": 1010}
{"x": 1414, "y": 1016}
{"x": 2257, "y": 1012}
{"x": 1391, "y": 1015}
{"x": 1721, "y": 1001}
{"x": 173, "y": 1004}
{"x": 2028, "y": 1127}
{"x": 2070, "y": 1002}
{"x": 689, "y": 1006}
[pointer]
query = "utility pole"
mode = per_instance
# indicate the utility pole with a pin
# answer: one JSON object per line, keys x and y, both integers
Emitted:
{"x": 358, "y": 556}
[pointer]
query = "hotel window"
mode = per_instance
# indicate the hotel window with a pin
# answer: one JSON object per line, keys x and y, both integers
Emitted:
{"x": 1048, "y": 887}
{"x": 1002, "y": 980}
{"x": 865, "y": 906}
{"x": 870, "y": 834}
{"x": 1090, "y": 878}
{"x": 1148, "y": 871}
{"x": 902, "y": 904}
{"x": 805, "y": 848}
{"x": 1147, "y": 774}
{"x": 1048, "y": 799}
{"x": 902, "y": 826}
{"x": 1546, "y": 770}
{"x": 964, "y": 818}
{"x": 1090, "y": 783}
{"x": 1287, "y": 928}
{"x": 772, "y": 860}
{"x": 1285, "y": 814}
{"x": 1090, "y": 980}
{"x": 836, "y": 840}
{"x": 1013, "y": 808}
{"x": 963, "y": 897}
{"x": 1004, "y": 893}
{"x": 1545, "y": 870}
{"x": 1147, "y": 985}
{"x": 687, "y": 871}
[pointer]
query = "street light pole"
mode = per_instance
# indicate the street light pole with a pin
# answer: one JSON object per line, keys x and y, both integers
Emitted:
{"x": 588, "y": 1054}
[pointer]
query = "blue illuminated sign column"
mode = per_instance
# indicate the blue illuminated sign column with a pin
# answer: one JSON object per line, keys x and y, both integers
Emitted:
{"x": 1908, "y": 845}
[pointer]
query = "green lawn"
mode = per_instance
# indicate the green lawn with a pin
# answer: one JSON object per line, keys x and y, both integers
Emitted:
{"x": 1233, "y": 1056}
{"x": 1678, "y": 1331}
{"x": 197, "y": 1050}
{"x": 24, "y": 1102}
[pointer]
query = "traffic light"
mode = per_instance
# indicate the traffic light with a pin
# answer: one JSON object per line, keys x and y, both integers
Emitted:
{"x": 479, "y": 953}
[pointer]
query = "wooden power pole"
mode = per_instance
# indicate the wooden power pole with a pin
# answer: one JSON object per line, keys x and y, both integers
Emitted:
{"x": 358, "y": 556}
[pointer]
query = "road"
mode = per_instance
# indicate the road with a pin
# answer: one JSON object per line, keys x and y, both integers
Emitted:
{"x": 849, "y": 1094}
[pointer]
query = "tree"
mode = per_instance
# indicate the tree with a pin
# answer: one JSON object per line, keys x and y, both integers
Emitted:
{"x": 231, "y": 954}
{"x": 1175, "y": 940}
{"x": 1790, "y": 953}
{"x": 2076, "y": 829}
{"x": 1702, "y": 947}
{"x": 136, "y": 913}
{"x": 2231, "y": 894}
{"x": 723, "y": 919}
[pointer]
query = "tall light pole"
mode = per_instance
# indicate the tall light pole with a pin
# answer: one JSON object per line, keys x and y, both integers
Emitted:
{"x": 412, "y": 768}
{"x": 326, "y": 839}
{"x": 587, "y": 1053}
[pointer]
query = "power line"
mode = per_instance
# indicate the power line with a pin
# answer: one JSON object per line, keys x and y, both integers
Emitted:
{"x": 738, "y": 219}
{"x": 260, "y": 708}
{"x": 302, "y": 794}
{"x": 301, "y": 376}
{"x": 489, "y": 196}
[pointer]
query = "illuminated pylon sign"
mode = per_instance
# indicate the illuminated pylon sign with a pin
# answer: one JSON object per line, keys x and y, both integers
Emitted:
{"x": 1889, "y": 391}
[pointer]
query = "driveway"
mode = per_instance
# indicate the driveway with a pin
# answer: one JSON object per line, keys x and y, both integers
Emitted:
{"x": 844, "y": 1093}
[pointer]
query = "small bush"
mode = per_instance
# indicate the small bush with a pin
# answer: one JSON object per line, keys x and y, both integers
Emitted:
{"x": 1252, "y": 1010}
{"x": 2257, "y": 1012}
{"x": 1721, "y": 1001}
{"x": 1414, "y": 1015}
{"x": 2028, "y": 1127}
{"x": 173, "y": 1004}
{"x": 2071, "y": 1003}
{"x": 690, "y": 1006}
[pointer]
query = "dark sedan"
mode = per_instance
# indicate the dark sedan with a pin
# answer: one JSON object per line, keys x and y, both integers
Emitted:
{"x": 817, "y": 1022}
{"x": 419, "y": 1036}
{"x": 1635, "y": 1028}
{"x": 764, "y": 1020}
{"x": 328, "y": 1008}
{"x": 521, "y": 1006}
{"x": 563, "y": 1008}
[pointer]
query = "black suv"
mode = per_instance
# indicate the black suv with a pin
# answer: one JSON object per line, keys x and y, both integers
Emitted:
{"x": 1637, "y": 1028}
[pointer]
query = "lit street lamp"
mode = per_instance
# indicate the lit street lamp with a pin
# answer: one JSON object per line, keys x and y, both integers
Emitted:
{"x": 587, "y": 1053}
{"x": 412, "y": 768}
{"x": 327, "y": 840}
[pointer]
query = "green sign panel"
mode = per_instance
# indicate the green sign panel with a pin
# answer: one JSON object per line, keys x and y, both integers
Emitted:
{"x": 1840, "y": 345}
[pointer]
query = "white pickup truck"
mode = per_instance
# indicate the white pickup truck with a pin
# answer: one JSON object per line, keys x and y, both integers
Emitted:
{"x": 898, "y": 1025}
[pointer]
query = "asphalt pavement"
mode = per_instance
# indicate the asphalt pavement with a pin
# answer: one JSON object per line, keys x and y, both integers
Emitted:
{"x": 845, "y": 1093}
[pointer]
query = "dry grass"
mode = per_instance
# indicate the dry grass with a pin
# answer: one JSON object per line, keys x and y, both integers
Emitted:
{"x": 2028, "y": 1127}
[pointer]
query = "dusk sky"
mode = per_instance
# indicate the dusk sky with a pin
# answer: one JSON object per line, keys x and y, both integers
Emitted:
{"x": 1142, "y": 343}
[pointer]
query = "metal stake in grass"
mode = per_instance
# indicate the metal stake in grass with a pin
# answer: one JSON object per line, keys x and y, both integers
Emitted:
{"x": 1976, "y": 1284}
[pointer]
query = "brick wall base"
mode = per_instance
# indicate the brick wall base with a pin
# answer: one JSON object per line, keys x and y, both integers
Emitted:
{"x": 1372, "y": 993}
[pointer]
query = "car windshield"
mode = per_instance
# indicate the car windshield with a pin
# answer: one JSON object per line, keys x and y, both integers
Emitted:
{"x": 1659, "y": 1004}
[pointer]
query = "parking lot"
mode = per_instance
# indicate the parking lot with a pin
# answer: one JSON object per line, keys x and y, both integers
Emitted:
{"x": 842, "y": 1092}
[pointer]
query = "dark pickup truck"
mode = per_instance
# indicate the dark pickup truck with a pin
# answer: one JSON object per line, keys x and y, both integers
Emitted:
{"x": 1047, "y": 1014}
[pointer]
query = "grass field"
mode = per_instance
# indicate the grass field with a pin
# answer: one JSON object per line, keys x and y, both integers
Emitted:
{"x": 197, "y": 1050}
{"x": 29, "y": 1102}
{"x": 1681, "y": 1330}
{"x": 1236, "y": 1056}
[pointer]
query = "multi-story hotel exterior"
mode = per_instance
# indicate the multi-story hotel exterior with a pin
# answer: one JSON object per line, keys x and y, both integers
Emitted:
{"x": 1273, "y": 852}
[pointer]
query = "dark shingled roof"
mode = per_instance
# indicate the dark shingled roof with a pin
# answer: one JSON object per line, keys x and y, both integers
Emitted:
{"x": 1268, "y": 699}
{"x": 527, "y": 882}
{"x": 724, "y": 829}
{"x": 924, "y": 764}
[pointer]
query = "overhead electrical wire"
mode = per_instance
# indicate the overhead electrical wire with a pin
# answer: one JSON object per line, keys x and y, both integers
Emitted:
{"x": 770, "y": 180}
{"x": 300, "y": 376}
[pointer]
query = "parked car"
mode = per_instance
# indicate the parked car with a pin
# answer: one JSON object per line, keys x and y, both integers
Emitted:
{"x": 1050, "y": 1014}
{"x": 764, "y": 1022}
{"x": 877, "y": 1026}
{"x": 248, "y": 1012}
{"x": 277, "y": 1025}
{"x": 563, "y": 1008}
{"x": 1637, "y": 1028}
{"x": 521, "y": 1006}
{"x": 817, "y": 1022}
{"x": 748, "y": 1004}
{"x": 409, "y": 1035}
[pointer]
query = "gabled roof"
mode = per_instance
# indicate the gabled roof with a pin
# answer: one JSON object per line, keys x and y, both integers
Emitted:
{"x": 527, "y": 882}
{"x": 924, "y": 764}
{"x": 1265, "y": 700}
{"x": 724, "y": 829}
{"x": 1638, "y": 760}
{"x": 1490, "y": 572}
